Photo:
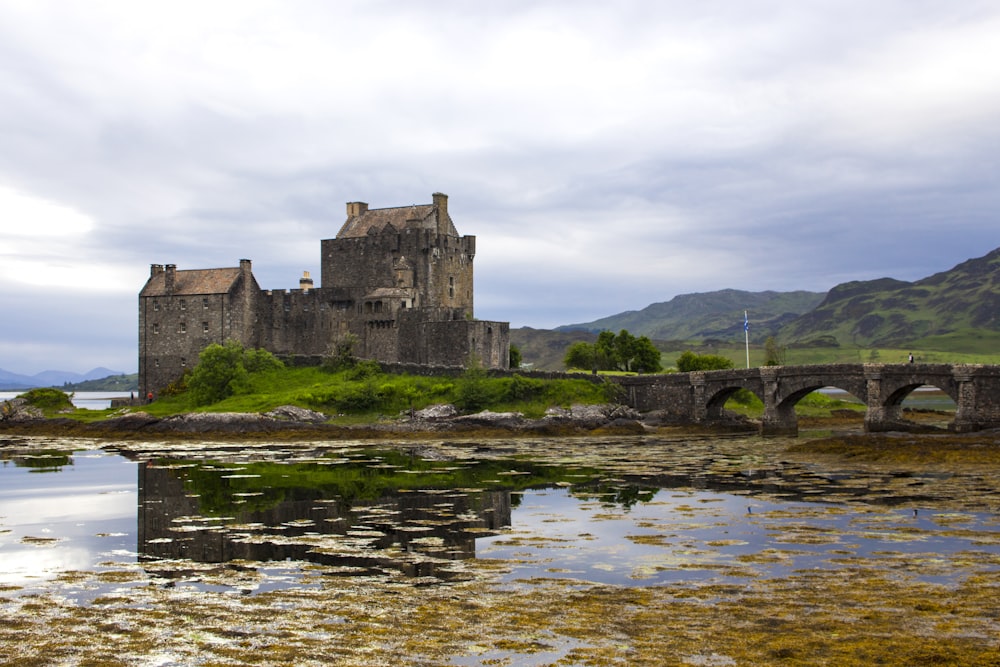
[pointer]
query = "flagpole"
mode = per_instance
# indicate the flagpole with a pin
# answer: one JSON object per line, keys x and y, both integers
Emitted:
{"x": 746, "y": 333}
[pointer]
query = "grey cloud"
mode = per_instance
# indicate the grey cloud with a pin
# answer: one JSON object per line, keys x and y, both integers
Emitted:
{"x": 606, "y": 157}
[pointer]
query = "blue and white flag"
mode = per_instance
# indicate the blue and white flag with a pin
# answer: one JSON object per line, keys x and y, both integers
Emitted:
{"x": 746, "y": 321}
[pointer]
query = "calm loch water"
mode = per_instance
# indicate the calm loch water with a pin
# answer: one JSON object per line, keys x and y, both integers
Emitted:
{"x": 629, "y": 512}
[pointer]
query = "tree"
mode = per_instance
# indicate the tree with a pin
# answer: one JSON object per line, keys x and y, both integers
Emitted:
{"x": 514, "y": 357}
{"x": 689, "y": 361}
{"x": 646, "y": 358}
{"x": 580, "y": 355}
{"x": 774, "y": 354}
{"x": 623, "y": 352}
{"x": 224, "y": 370}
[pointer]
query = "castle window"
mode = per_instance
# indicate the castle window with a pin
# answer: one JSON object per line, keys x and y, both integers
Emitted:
{"x": 156, "y": 328}
{"x": 204, "y": 327}
{"x": 184, "y": 361}
{"x": 156, "y": 363}
{"x": 183, "y": 304}
{"x": 204, "y": 303}
{"x": 182, "y": 328}
{"x": 156, "y": 306}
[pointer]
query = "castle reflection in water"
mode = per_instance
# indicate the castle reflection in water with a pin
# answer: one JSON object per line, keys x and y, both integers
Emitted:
{"x": 415, "y": 532}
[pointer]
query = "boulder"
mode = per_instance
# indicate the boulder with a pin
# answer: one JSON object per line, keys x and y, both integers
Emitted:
{"x": 19, "y": 410}
{"x": 296, "y": 414}
{"x": 434, "y": 412}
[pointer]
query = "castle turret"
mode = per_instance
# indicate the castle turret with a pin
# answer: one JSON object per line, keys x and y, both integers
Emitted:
{"x": 305, "y": 282}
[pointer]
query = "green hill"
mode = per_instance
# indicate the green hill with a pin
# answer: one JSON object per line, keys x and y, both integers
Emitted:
{"x": 709, "y": 315}
{"x": 955, "y": 311}
{"x": 962, "y": 304}
{"x": 111, "y": 383}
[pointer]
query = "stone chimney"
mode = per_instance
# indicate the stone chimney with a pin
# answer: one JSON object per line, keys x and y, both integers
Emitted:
{"x": 441, "y": 204}
{"x": 155, "y": 270}
{"x": 170, "y": 278}
{"x": 356, "y": 208}
{"x": 305, "y": 282}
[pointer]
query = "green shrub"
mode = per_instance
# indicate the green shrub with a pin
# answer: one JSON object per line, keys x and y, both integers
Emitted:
{"x": 364, "y": 369}
{"x": 520, "y": 388}
{"x": 689, "y": 361}
{"x": 47, "y": 398}
{"x": 224, "y": 370}
{"x": 473, "y": 390}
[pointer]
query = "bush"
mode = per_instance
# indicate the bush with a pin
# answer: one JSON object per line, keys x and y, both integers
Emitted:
{"x": 224, "y": 370}
{"x": 473, "y": 391}
{"x": 520, "y": 388}
{"x": 689, "y": 361}
{"x": 47, "y": 398}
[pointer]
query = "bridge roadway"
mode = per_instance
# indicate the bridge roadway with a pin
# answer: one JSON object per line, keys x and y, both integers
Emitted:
{"x": 699, "y": 397}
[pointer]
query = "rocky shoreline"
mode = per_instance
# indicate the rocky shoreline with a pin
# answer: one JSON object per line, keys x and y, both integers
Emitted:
{"x": 294, "y": 422}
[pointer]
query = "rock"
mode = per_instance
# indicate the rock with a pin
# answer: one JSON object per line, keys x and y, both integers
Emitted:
{"x": 435, "y": 412}
{"x": 489, "y": 418}
{"x": 195, "y": 422}
{"x": 591, "y": 416}
{"x": 19, "y": 410}
{"x": 296, "y": 414}
{"x": 130, "y": 421}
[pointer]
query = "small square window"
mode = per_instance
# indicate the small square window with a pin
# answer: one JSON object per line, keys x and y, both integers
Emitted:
{"x": 182, "y": 328}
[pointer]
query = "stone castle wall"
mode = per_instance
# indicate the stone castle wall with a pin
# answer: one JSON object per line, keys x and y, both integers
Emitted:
{"x": 403, "y": 290}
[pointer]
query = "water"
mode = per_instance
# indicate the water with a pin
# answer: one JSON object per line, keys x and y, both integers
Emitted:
{"x": 64, "y": 511}
{"x": 644, "y": 550}
{"x": 368, "y": 511}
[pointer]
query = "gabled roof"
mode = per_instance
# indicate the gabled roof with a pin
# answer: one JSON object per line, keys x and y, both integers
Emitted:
{"x": 192, "y": 281}
{"x": 378, "y": 220}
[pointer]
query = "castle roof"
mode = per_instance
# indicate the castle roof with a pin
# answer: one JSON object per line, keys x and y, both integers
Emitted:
{"x": 192, "y": 281}
{"x": 378, "y": 220}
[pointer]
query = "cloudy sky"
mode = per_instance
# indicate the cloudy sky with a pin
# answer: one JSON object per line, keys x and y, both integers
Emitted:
{"x": 606, "y": 155}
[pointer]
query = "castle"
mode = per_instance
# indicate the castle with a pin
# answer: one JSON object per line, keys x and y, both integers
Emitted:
{"x": 396, "y": 281}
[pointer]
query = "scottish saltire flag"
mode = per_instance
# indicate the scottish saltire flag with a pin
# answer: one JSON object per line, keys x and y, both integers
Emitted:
{"x": 746, "y": 321}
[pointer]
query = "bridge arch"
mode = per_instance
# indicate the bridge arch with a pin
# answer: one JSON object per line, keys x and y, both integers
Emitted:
{"x": 700, "y": 396}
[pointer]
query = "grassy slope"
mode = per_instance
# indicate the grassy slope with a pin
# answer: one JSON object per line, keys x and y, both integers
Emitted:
{"x": 385, "y": 395}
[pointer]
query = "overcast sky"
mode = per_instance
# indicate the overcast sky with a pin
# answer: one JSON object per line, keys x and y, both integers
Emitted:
{"x": 606, "y": 155}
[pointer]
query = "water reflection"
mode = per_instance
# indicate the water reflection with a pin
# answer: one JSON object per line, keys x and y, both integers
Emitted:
{"x": 634, "y": 513}
{"x": 415, "y": 532}
{"x": 79, "y": 513}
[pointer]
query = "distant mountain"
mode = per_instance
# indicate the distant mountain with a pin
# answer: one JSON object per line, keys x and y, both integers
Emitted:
{"x": 964, "y": 301}
{"x": 955, "y": 310}
{"x": 16, "y": 382}
{"x": 709, "y": 315}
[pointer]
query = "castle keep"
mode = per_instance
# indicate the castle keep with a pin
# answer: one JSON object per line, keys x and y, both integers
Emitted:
{"x": 399, "y": 280}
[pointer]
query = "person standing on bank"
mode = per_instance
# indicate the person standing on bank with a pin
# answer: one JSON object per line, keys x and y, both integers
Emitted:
{"x": 911, "y": 357}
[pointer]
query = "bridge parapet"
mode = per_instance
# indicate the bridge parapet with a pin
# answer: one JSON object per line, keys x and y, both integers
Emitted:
{"x": 699, "y": 397}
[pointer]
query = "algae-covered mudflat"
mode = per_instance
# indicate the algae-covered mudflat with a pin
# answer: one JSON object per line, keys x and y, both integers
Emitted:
{"x": 665, "y": 549}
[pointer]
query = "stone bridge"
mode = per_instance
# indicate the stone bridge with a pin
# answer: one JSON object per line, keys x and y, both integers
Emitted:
{"x": 699, "y": 397}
